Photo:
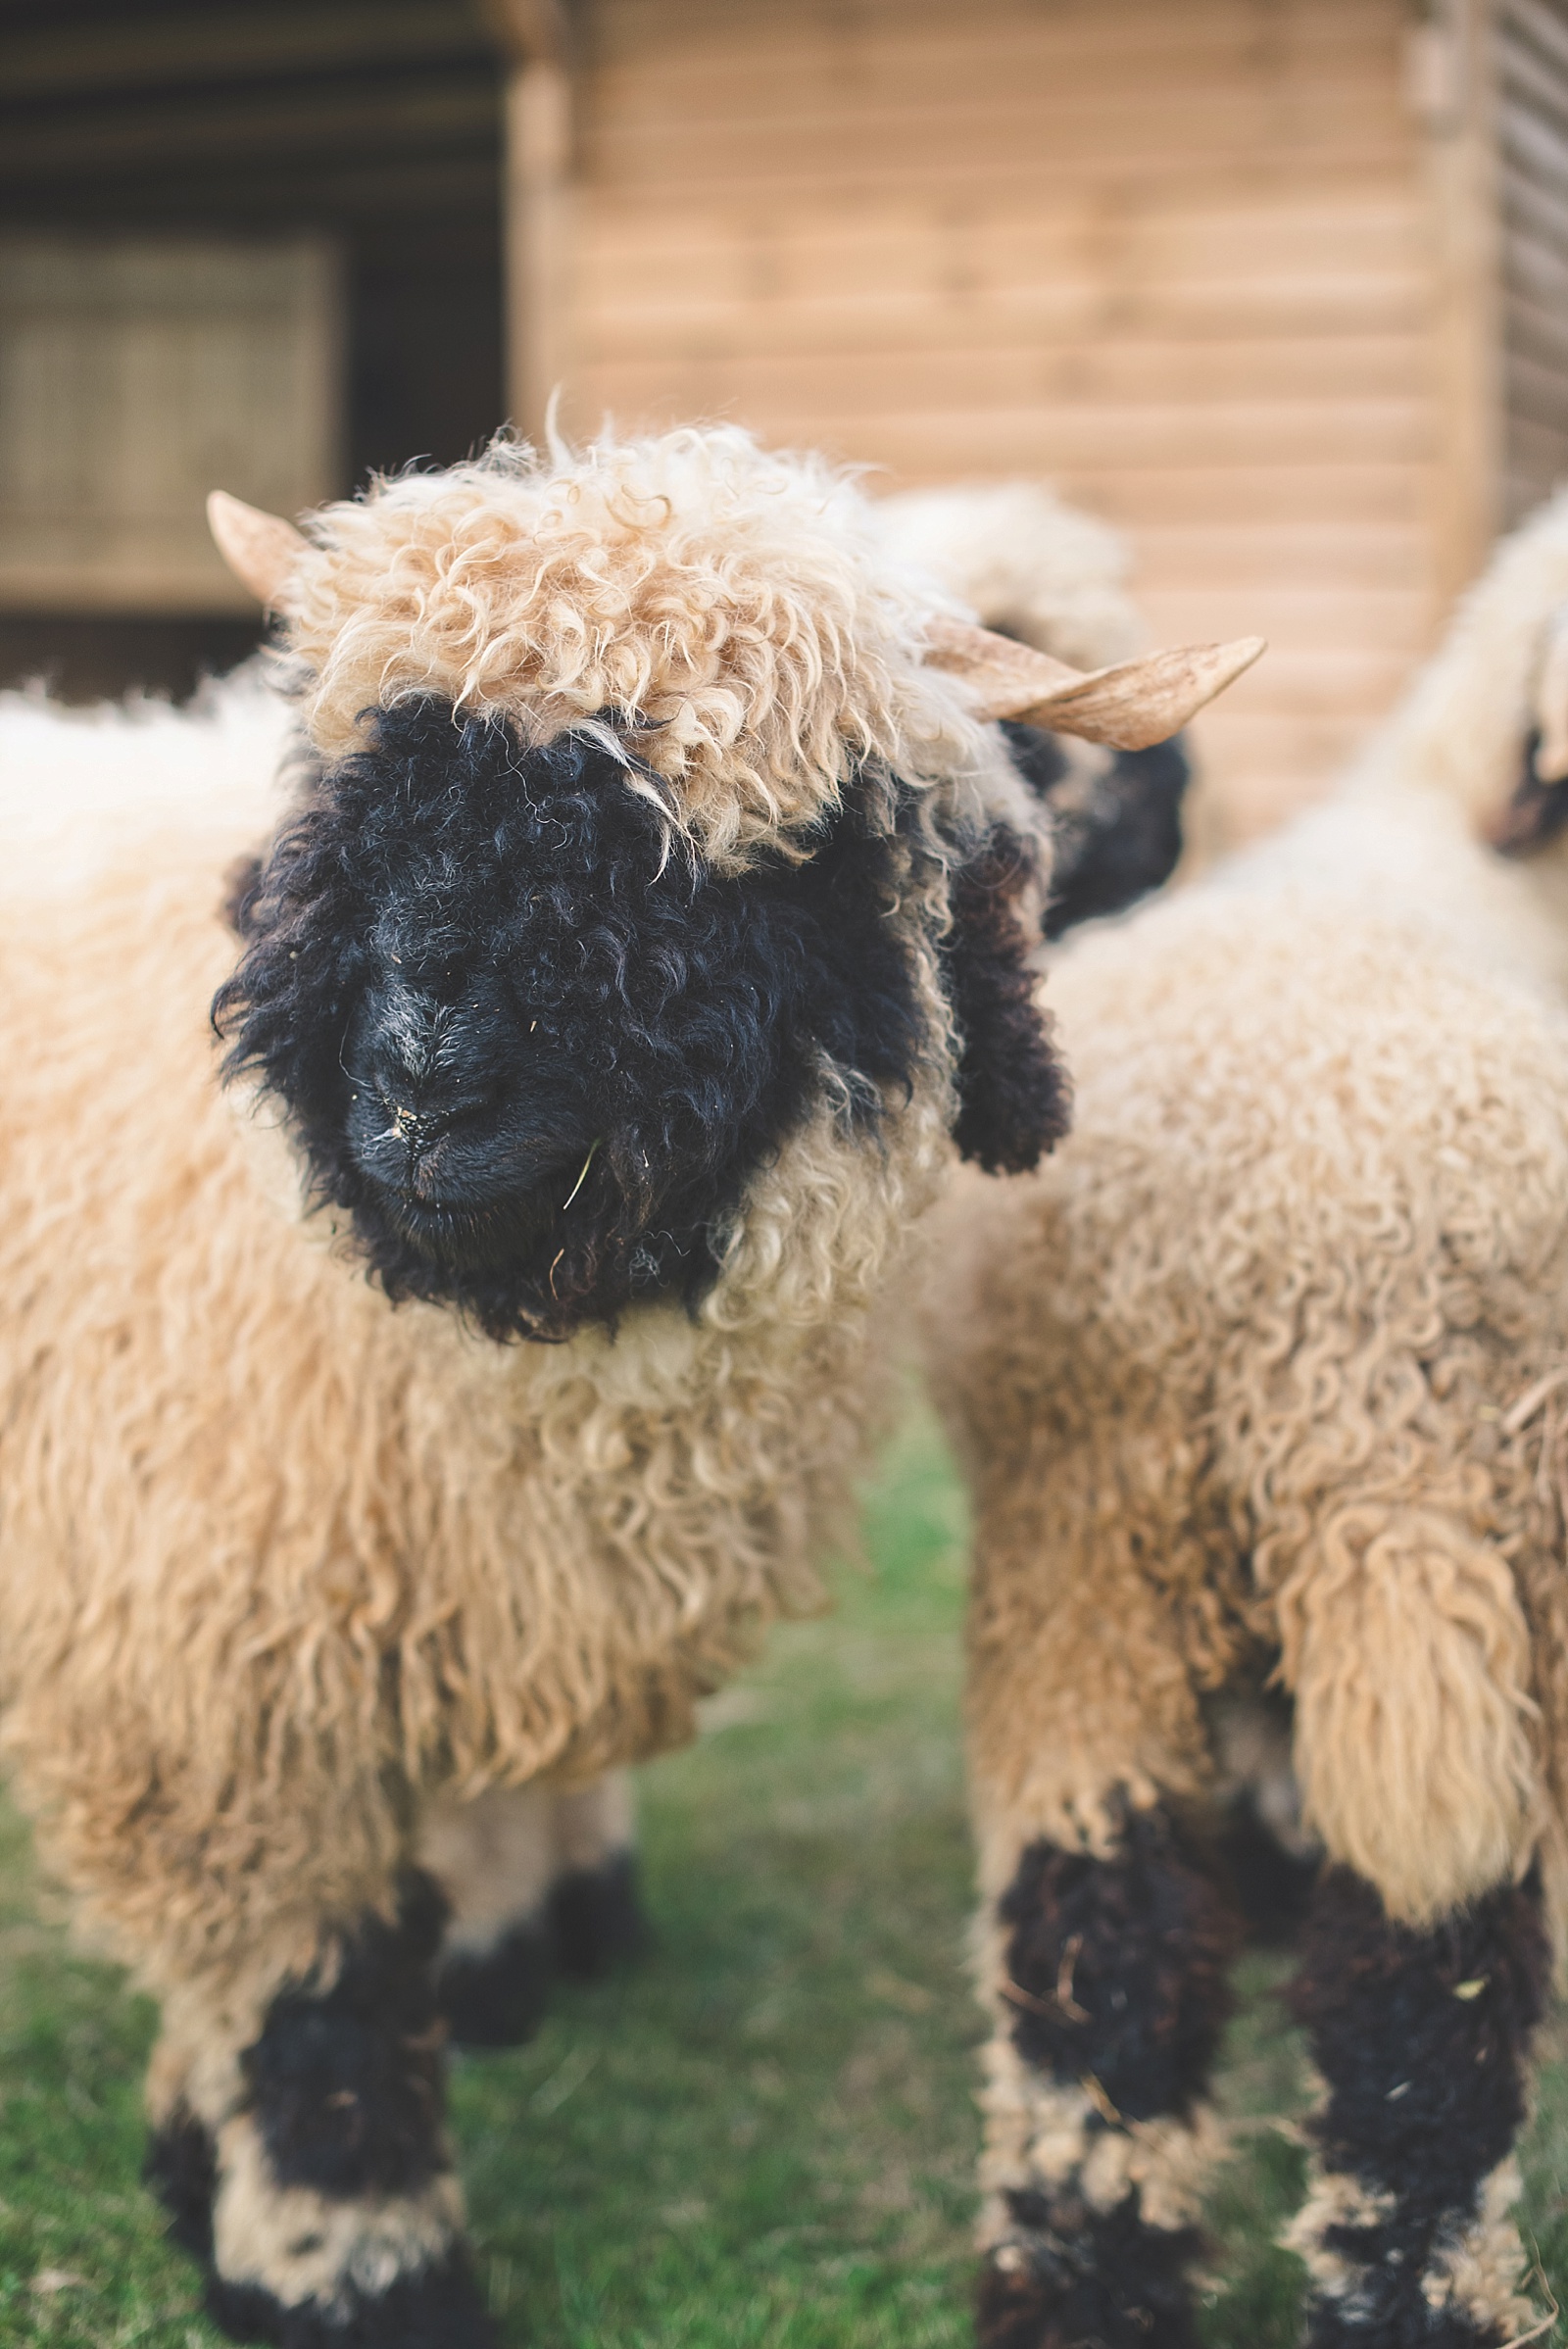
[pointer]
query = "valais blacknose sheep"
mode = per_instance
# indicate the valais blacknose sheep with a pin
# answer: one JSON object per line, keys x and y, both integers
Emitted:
{"x": 429, "y": 1382}
{"x": 1263, "y": 1384}
{"x": 1034, "y": 568}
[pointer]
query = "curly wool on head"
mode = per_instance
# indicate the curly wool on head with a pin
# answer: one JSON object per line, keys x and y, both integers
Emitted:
{"x": 1263, "y": 1375}
{"x": 729, "y": 613}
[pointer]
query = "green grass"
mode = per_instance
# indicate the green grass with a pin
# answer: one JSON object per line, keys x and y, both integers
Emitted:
{"x": 764, "y": 2137}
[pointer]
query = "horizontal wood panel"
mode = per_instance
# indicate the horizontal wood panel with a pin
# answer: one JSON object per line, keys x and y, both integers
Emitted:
{"x": 1341, "y": 401}
{"x": 1357, "y": 327}
{"x": 786, "y": 169}
{"x": 1339, "y": 557}
{"x": 1177, "y": 261}
{"x": 1053, "y": 434}
{"x": 646, "y": 252}
{"x": 705, "y": 84}
{"x": 1299, "y": 620}
{"x": 717, "y": 41}
{"x": 1193, "y": 497}
{"x": 933, "y": 358}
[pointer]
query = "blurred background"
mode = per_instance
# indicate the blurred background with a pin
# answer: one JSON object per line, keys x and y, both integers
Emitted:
{"x": 1278, "y": 286}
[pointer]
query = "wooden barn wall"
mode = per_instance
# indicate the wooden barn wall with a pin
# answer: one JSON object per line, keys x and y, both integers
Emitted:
{"x": 1175, "y": 259}
{"x": 1531, "y": 103}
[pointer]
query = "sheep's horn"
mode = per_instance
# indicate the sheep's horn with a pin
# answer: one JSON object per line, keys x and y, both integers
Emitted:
{"x": 1130, "y": 707}
{"x": 260, "y": 549}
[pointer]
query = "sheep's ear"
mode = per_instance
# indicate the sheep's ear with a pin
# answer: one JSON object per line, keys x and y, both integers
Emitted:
{"x": 1538, "y": 809}
{"x": 262, "y": 550}
{"x": 1014, "y": 1094}
{"x": 1130, "y": 707}
{"x": 1551, "y": 703}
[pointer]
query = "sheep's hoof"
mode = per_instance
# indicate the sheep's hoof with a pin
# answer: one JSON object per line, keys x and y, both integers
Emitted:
{"x": 592, "y": 1922}
{"x": 437, "y": 2309}
{"x": 596, "y": 1916}
{"x": 496, "y": 1998}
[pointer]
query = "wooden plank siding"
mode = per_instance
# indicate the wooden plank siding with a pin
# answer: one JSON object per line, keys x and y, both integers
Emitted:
{"x": 1176, "y": 260}
{"x": 1532, "y": 101}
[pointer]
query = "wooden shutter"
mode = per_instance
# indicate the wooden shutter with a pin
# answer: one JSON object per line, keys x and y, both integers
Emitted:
{"x": 134, "y": 378}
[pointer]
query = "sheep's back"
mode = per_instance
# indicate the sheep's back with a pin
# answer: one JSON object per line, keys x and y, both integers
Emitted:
{"x": 1313, "y": 1211}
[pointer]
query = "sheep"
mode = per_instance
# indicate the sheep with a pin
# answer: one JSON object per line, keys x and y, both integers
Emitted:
{"x": 1029, "y": 566}
{"x": 432, "y": 1383}
{"x": 1033, "y": 568}
{"x": 1259, "y": 1390}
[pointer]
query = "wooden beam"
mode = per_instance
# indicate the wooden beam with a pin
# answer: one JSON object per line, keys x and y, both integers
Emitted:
{"x": 134, "y": 52}
{"x": 453, "y": 108}
{"x": 535, "y": 36}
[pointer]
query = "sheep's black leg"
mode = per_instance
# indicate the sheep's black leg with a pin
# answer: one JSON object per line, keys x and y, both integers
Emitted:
{"x": 318, "y": 2192}
{"x": 540, "y": 1882}
{"x": 1112, "y": 1991}
{"x": 1423, "y": 2042}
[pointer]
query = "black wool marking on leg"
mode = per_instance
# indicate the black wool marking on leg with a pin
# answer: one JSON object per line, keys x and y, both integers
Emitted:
{"x": 1273, "y": 1887}
{"x": 439, "y": 2307}
{"x": 596, "y": 1916}
{"x": 1014, "y": 1097}
{"x": 1422, "y": 2040}
{"x": 531, "y": 1051}
{"x": 181, "y": 2169}
{"x": 1426, "y": 2087}
{"x": 346, "y": 2085}
{"x": 1079, "y": 2277}
{"x": 592, "y": 1921}
{"x": 1119, "y": 1968}
{"x": 498, "y": 1998}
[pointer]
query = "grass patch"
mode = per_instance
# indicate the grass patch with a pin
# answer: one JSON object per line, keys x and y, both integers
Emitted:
{"x": 764, "y": 2137}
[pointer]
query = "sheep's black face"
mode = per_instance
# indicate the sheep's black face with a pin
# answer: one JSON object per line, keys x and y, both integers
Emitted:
{"x": 1116, "y": 842}
{"x": 530, "y": 1055}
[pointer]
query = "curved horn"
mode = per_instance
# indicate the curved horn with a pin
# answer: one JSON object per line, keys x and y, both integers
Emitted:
{"x": 262, "y": 550}
{"x": 1130, "y": 707}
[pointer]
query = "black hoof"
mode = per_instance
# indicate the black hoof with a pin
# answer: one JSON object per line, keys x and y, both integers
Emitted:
{"x": 497, "y": 1999}
{"x": 593, "y": 1920}
{"x": 181, "y": 2171}
{"x": 596, "y": 1916}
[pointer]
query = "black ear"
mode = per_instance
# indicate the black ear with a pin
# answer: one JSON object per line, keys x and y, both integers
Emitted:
{"x": 1015, "y": 1097}
{"x": 1536, "y": 813}
{"x": 1115, "y": 835}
